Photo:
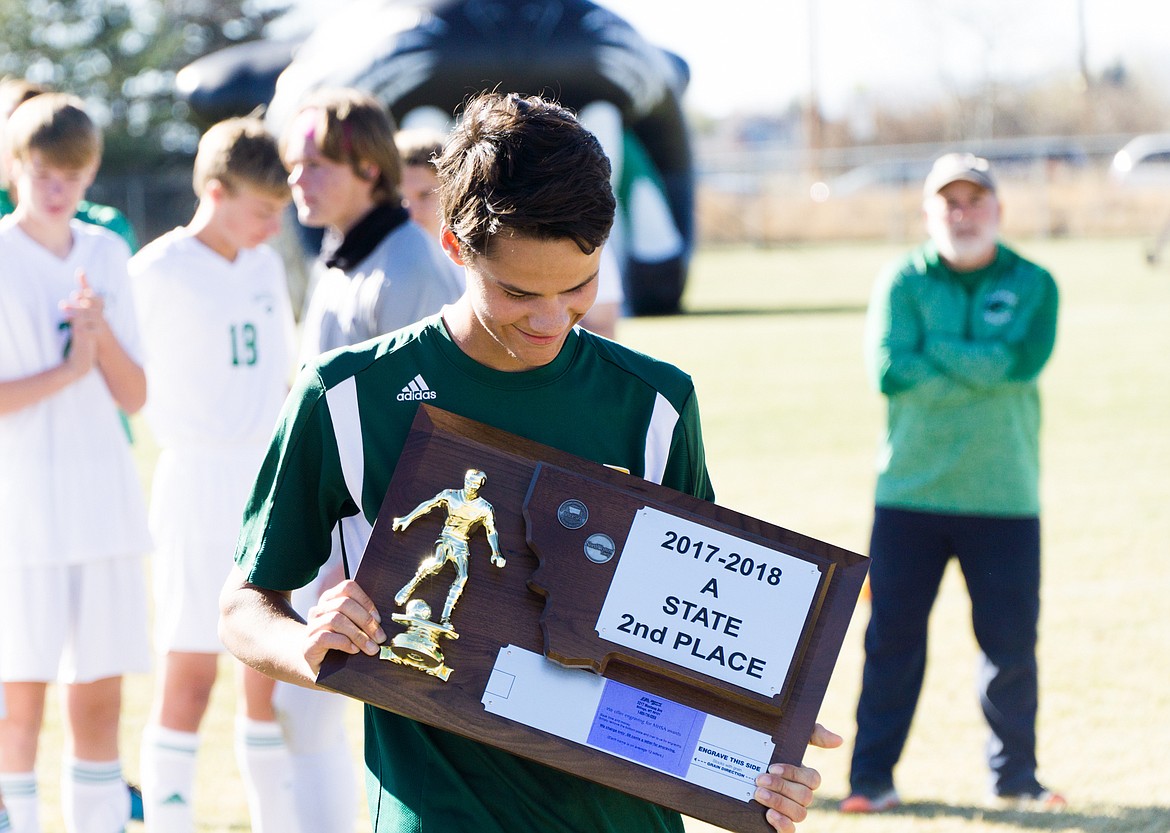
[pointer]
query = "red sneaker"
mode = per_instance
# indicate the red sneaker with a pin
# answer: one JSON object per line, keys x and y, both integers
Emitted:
{"x": 859, "y": 803}
{"x": 1042, "y": 801}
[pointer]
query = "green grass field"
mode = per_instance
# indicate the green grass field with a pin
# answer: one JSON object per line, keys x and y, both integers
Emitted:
{"x": 773, "y": 339}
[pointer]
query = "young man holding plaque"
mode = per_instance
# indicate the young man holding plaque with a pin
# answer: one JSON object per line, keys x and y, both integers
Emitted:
{"x": 527, "y": 205}
{"x": 956, "y": 336}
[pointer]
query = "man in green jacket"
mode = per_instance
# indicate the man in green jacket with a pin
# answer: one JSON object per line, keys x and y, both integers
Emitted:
{"x": 956, "y": 336}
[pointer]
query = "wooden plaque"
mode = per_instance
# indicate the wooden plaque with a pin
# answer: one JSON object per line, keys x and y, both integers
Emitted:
{"x": 637, "y": 637}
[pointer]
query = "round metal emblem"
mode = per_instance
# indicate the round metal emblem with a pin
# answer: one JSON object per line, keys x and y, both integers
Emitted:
{"x": 572, "y": 514}
{"x": 599, "y": 548}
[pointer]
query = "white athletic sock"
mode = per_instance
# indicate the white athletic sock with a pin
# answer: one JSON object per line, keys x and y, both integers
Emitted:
{"x": 325, "y": 791}
{"x": 324, "y": 777}
{"x": 264, "y": 762}
{"x": 20, "y": 794}
{"x": 94, "y": 798}
{"x": 168, "y": 779}
{"x": 5, "y": 824}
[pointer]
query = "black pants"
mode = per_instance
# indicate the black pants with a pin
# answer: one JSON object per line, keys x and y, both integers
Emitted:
{"x": 1000, "y": 560}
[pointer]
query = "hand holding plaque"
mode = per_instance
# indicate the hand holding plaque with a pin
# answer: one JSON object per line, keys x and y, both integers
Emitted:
{"x": 639, "y": 637}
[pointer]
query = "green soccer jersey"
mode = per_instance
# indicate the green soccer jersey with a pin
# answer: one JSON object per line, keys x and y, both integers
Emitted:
{"x": 341, "y": 433}
{"x": 958, "y": 355}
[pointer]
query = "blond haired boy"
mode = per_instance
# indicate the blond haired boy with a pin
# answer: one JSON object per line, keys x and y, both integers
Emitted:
{"x": 418, "y": 150}
{"x": 72, "y": 519}
{"x": 13, "y": 93}
{"x": 377, "y": 270}
{"x": 218, "y": 335}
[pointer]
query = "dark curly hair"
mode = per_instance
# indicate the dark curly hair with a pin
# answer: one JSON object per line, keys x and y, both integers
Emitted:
{"x": 524, "y": 165}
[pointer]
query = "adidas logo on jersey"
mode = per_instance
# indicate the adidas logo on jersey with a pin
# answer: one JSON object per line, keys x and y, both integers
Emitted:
{"x": 416, "y": 389}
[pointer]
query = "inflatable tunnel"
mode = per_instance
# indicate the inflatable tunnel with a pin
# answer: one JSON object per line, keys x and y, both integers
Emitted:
{"x": 424, "y": 59}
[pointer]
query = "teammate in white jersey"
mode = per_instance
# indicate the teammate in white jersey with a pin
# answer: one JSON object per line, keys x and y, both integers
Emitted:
{"x": 72, "y": 518}
{"x": 218, "y": 335}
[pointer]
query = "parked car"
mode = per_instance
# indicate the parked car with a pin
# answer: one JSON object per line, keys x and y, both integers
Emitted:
{"x": 883, "y": 173}
{"x": 1144, "y": 160}
{"x": 1008, "y": 157}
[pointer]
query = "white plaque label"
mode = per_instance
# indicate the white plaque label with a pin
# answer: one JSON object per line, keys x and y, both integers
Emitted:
{"x": 709, "y": 601}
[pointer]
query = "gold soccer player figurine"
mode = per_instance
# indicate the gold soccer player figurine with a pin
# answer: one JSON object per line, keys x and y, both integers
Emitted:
{"x": 465, "y": 511}
{"x": 418, "y": 645}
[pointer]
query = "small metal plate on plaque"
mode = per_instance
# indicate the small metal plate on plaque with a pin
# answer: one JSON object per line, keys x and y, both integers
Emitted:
{"x": 599, "y": 548}
{"x": 572, "y": 514}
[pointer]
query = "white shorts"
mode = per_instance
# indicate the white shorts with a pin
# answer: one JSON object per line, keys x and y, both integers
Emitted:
{"x": 73, "y": 623}
{"x": 196, "y": 507}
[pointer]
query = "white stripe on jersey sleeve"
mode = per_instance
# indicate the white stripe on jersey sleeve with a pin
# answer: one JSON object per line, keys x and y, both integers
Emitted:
{"x": 658, "y": 437}
{"x": 347, "y": 427}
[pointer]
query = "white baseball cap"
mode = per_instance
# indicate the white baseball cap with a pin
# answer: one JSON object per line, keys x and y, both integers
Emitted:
{"x": 958, "y": 167}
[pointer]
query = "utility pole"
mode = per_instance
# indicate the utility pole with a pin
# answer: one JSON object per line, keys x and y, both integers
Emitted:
{"x": 1083, "y": 48}
{"x": 814, "y": 137}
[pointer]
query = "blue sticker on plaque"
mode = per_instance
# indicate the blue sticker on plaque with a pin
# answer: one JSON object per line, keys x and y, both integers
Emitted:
{"x": 650, "y": 730}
